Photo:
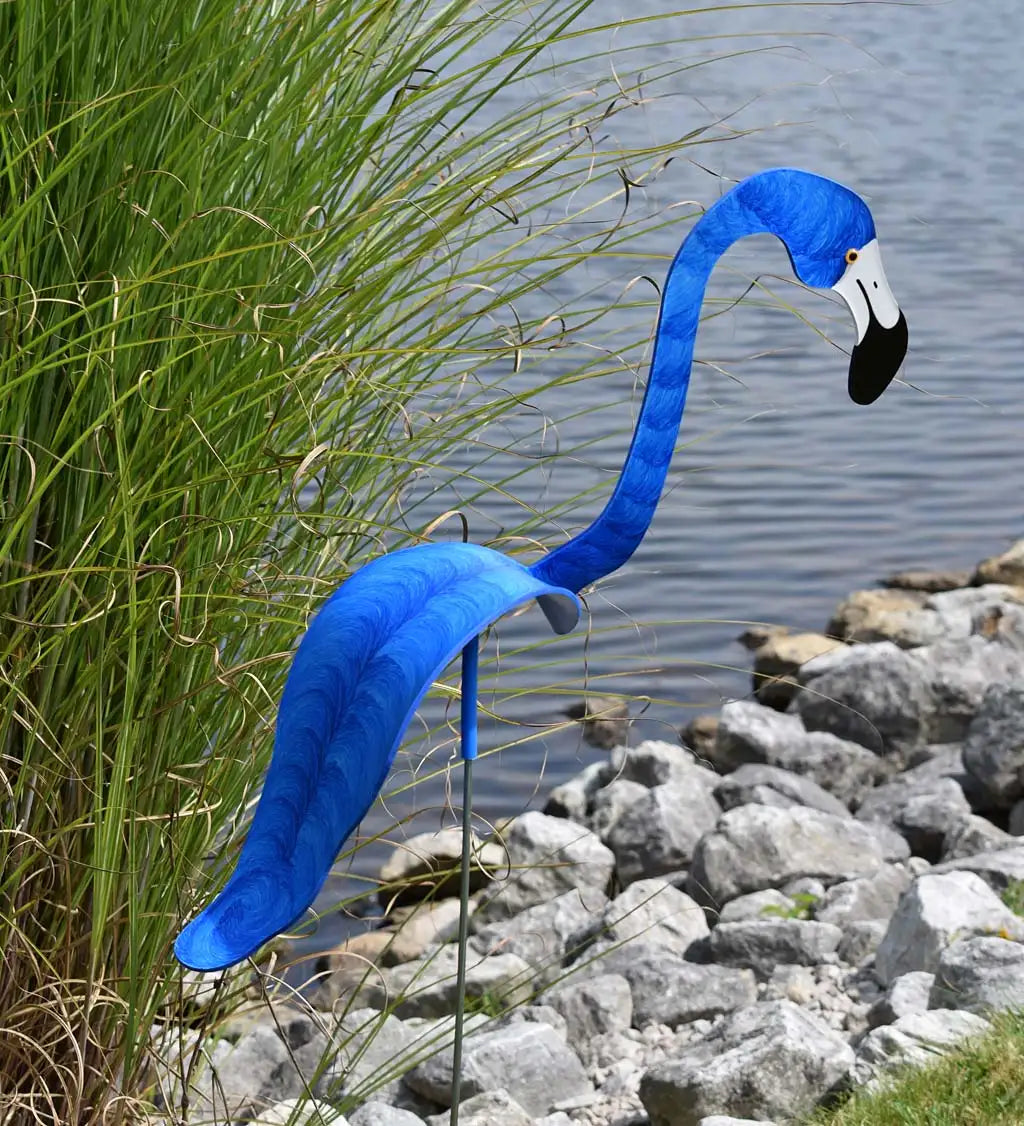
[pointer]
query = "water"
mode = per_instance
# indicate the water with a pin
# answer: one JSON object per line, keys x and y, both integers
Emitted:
{"x": 784, "y": 496}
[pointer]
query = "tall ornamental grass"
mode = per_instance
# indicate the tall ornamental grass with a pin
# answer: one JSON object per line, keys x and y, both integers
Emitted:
{"x": 249, "y": 294}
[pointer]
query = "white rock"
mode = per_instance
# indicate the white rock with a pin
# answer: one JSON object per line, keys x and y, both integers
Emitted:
{"x": 313, "y": 1112}
{"x": 757, "y": 846}
{"x": 652, "y": 910}
{"x": 980, "y": 975}
{"x": 908, "y": 994}
{"x": 382, "y": 1114}
{"x": 770, "y": 1059}
{"x": 427, "y": 986}
{"x": 529, "y": 1060}
{"x": 917, "y": 1039}
{"x": 934, "y": 912}
{"x": 541, "y": 936}
{"x": 489, "y": 1108}
{"x": 547, "y": 856}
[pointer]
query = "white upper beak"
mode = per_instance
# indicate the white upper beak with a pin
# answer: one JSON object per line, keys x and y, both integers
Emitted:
{"x": 863, "y": 287}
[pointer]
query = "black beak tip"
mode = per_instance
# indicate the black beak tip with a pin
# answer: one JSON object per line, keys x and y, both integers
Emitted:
{"x": 875, "y": 361}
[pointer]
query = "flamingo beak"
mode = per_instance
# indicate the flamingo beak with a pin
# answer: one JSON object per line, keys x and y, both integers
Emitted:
{"x": 881, "y": 326}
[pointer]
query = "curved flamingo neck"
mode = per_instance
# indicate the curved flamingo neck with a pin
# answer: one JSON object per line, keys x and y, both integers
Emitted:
{"x": 616, "y": 533}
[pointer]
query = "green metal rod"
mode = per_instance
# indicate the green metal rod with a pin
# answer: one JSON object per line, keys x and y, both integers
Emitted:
{"x": 468, "y": 733}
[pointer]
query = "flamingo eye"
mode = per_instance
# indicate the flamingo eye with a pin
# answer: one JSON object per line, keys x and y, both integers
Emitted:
{"x": 851, "y": 256}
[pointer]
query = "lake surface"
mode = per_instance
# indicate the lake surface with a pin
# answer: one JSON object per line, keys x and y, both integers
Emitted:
{"x": 783, "y": 495}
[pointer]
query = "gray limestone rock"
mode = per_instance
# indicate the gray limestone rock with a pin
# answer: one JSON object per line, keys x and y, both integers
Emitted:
{"x": 650, "y": 910}
{"x": 542, "y": 935}
{"x": 593, "y": 1007}
{"x": 611, "y": 802}
{"x": 658, "y": 833}
{"x": 529, "y": 1060}
{"x": 877, "y": 696}
{"x": 373, "y": 1051}
{"x": 757, "y": 846}
{"x": 771, "y": 1059}
{"x": 994, "y": 748}
{"x": 490, "y": 1108}
{"x": 572, "y": 798}
{"x": 919, "y": 810}
{"x": 751, "y": 733}
{"x": 760, "y": 784}
{"x": 255, "y": 1073}
{"x": 767, "y": 904}
{"x": 426, "y": 987}
{"x": 313, "y": 1112}
{"x": 427, "y": 866}
{"x": 980, "y": 975}
{"x": 376, "y": 1113}
{"x": 667, "y": 989}
{"x": 914, "y": 1040}
{"x": 971, "y": 835}
{"x": 998, "y": 868}
{"x": 867, "y": 898}
{"x": 656, "y": 763}
{"x": 547, "y": 856}
{"x": 909, "y": 993}
{"x": 762, "y": 944}
{"x": 860, "y": 940}
{"x": 934, "y": 912}
{"x": 891, "y": 700}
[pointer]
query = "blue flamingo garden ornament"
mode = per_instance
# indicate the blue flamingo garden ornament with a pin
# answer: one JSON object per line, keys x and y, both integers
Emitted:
{"x": 378, "y": 643}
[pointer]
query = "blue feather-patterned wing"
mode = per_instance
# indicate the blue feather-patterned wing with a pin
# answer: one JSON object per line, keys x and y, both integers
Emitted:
{"x": 359, "y": 673}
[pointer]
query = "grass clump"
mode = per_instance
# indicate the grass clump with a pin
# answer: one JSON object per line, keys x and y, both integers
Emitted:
{"x": 977, "y": 1085}
{"x": 1013, "y": 896}
{"x": 258, "y": 272}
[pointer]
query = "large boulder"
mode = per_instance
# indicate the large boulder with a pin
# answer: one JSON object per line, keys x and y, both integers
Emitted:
{"x": 653, "y": 911}
{"x": 892, "y": 700}
{"x": 428, "y": 866}
{"x": 762, "y": 944}
{"x": 751, "y": 733}
{"x": 920, "y": 810}
{"x": 542, "y": 936}
{"x": 917, "y": 1040}
{"x": 657, "y": 834}
{"x": 528, "y": 1059}
{"x": 760, "y": 784}
{"x": 980, "y": 975}
{"x": 935, "y": 911}
{"x": 758, "y": 846}
{"x": 669, "y": 990}
{"x": 994, "y": 747}
{"x": 547, "y": 856}
{"x": 767, "y": 1060}
{"x": 592, "y": 1007}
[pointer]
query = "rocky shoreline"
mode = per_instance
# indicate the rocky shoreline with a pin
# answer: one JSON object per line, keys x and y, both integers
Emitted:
{"x": 821, "y": 883}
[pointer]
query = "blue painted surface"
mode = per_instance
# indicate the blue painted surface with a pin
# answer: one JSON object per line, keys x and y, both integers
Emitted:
{"x": 359, "y": 673}
{"x": 379, "y": 642}
{"x": 817, "y": 221}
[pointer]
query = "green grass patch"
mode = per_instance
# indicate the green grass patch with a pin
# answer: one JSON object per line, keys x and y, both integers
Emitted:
{"x": 982, "y": 1084}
